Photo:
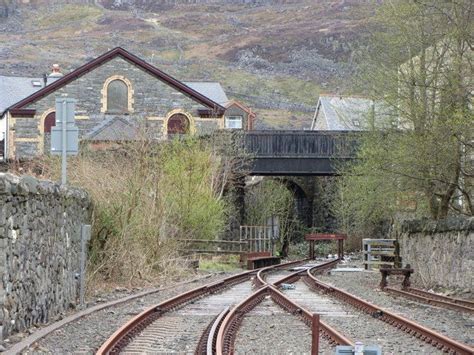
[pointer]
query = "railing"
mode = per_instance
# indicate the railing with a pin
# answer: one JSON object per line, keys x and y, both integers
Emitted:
{"x": 211, "y": 246}
{"x": 301, "y": 144}
{"x": 257, "y": 238}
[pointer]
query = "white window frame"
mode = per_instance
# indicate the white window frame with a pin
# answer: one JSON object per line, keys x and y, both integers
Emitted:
{"x": 234, "y": 119}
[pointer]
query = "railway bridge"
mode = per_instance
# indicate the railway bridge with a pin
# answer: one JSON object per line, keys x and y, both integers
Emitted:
{"x": 297, "y": 159}
{"x": 299, "y": 153}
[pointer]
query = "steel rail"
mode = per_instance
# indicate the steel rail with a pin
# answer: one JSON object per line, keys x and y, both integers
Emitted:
{"x": 125, "y": 334}
{"x": 460, "y": 301}
{"x": 297, "y": 274}
{"x": 429, "y": 300}
{"x": 433, "y": 299}
{"x": 228, "y": 329}
{"x": 259, "y": 279}
{"x": 207, "y": 343}
{"x": 428, "y": 335}
{"x": 122, "y": 336}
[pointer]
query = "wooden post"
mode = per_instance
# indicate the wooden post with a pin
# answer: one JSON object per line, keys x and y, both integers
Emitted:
{"x": 315, "y": 335}
{"x": 340, "y": 248}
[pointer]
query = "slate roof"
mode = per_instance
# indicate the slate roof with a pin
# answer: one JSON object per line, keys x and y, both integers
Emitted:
{"x": 342, "y": 113}
{"x": 212, "y": 90}
{"x": 113, "y": 129}
{"x": 16, "y": 88}
{"x": 120, "y": 52}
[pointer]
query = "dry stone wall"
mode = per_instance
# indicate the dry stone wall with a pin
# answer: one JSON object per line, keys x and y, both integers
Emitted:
{"x": 441, "y": 252}
{"x": 40, "y": 245}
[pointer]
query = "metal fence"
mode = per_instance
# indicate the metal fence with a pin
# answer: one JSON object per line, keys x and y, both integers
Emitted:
{"x": 258, "y": 238}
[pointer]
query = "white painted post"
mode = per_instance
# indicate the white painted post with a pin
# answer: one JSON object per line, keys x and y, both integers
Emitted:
{"x": 64, "y": 144}
{"x": 85, "y": 236}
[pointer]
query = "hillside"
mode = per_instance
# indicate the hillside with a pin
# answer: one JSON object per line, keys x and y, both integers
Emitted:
{"x": 276, "y": 57}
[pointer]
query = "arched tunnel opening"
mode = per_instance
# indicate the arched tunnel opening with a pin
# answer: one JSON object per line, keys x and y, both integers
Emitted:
{"x": 284, "y": 205}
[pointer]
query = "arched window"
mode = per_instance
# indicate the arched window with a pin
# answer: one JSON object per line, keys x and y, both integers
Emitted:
{"x": 117, "y": 96}
{"x": 178, "y": 124}
{"x": 49, "y": 121}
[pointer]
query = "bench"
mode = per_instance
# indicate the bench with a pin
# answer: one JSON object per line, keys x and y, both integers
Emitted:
{"x": 386, "y": 271}
{"x": 255, "y": 260}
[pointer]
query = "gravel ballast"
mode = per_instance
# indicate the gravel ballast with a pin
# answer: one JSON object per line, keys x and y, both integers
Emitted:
{"x": 87, "y": 334}
{"x": 268, "y": 329}
{"x": 365, "y": 284}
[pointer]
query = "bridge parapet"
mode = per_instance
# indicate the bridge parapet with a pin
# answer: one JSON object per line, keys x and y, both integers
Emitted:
{"x": 312, "y": 144}
{"x": 299, "y": 152}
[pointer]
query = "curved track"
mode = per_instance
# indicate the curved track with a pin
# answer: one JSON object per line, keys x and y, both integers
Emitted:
{"x": 228, "y": 330}
{"x": 166, "y": 318}
{"x": 436, "y": 339}
{"x": 216, "y": 331}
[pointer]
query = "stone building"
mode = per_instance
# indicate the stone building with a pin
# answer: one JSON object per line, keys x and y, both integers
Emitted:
{"x": 120, "y": 97}
{"x": 341, "y": 113}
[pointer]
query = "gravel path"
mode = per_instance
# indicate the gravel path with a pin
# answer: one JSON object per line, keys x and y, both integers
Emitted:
{"x": 87, "y": 334}
{"x": 356, "y": 325}
{"x": 454, "y": 324}
{"x": 268, "y": 329}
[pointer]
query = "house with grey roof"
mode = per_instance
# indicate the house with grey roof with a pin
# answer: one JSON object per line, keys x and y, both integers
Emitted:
{"x": 119, "y": 97}
{"x": 342, "y": 113}
{"x": 14, "y": 89}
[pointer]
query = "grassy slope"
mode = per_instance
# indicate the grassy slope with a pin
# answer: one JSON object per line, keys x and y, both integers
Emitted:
{"x": 200, "y": 42}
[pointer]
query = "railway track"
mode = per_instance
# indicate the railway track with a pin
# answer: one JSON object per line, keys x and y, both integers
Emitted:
{"x": 433, "y": 299}
{"x": 330, "y": 310}
{"x": 225, "y": 341}
{"x": 435, "y": 339}
{"x": 166, "y": 320}
{"x": 206, "y": 320}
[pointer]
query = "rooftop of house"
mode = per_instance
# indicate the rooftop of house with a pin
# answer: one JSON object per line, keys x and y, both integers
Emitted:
{"x": 343, "y": 113}
{"x": 16, "y": 88}
{"x": 212, "y": 90}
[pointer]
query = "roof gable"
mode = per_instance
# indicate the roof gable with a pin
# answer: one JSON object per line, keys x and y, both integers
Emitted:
{"x": 176, "y": 84}
{"x": 113, "y": 129}
{"x": 343, "y": 113}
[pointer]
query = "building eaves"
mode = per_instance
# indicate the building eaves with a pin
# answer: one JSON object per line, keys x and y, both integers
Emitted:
{"x": 178, "y": 85}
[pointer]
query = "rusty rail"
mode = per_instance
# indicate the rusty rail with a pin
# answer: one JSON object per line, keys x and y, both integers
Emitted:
{"x": 433, "y": 299}
{"x": 135, "y": 326}
{"x": 297, "y": 274}
{"x": 429, "y": 336}
{"x": 227, "y": 332}
{"x": 121, "y": 337}
{"x": 207, "y": 343}
{"x": 259, "y": 279}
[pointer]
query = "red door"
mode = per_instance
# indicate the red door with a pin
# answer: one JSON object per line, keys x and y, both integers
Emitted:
{"x": 178, "y": 124}
{"x": 49, "y": 122}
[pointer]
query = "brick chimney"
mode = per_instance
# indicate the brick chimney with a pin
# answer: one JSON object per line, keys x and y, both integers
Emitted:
{"x": 56, "y": 72}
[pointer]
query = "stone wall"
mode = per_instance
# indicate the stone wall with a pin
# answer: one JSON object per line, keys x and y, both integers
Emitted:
{"x": 40, "y": 244}
{"x": 442, "y": 252}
